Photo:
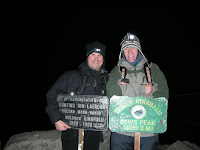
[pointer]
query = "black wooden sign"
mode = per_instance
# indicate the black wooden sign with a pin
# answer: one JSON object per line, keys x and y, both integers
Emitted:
{"x": 84, "y": 111}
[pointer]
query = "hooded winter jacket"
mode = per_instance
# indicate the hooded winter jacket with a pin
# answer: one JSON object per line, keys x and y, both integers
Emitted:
{"x": 136, "y": 88}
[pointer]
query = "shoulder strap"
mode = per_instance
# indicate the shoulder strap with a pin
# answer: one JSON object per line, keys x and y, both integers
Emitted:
{"x": 81, "y": 86}
{"x": 80, "y": 89}
{"x": 123, "y": 75}
{"x": 147, "y": 72}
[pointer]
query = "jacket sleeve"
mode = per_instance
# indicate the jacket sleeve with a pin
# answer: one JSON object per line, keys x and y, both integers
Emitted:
{"x": 52, "y": 107}
{"x": 112, "y": 86}
{"x": 66, "y": 83}
{"x": 160, "y": 80}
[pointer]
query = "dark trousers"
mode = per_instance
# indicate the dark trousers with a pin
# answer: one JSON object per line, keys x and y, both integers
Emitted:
{"x": 70, "y": 139}
{"x": 123, "y": 142}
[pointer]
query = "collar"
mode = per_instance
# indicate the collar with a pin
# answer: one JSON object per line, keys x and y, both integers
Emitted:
{"x": 128, "y": 66}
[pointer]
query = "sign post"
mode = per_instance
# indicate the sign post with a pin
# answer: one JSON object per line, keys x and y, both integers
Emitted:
{"x": 137, "y": 141}
{"x": 138, "y": 115}
{"x": 80, "y": 139}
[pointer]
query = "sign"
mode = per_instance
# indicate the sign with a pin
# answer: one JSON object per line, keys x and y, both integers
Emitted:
{"x": 84, "y": 111}
{"x": 138, "y": 114}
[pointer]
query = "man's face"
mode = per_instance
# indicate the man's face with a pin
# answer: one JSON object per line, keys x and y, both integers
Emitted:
{"x": 95, "y": 61}
{"x": 131, "y": 54}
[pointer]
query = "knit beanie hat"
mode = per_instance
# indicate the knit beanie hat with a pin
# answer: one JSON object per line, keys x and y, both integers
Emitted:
{"x": 130, "y": 40}
{"x": 96, "y": 47}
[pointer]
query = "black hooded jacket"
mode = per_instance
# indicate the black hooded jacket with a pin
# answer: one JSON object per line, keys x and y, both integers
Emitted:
{"x": 82, "y": 81}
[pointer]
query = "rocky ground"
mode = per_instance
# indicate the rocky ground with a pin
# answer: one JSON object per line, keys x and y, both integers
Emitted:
{"x": 44, "y": 140}
{"x": 50, "y": 140}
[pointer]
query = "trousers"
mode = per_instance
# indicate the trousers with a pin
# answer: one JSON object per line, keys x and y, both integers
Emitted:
{"x": 70, "y": 137}
{"x": 123, "y": 142}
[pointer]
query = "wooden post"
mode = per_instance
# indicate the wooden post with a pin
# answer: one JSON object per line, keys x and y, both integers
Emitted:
{"x": 80, "y": 139}
{"x": 137, "y": 141}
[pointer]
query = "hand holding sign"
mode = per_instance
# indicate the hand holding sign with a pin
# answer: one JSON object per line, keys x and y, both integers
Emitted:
{"x": 61, "y": 126}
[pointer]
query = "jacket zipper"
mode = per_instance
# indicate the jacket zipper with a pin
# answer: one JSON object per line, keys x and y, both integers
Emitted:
{"x": 83, "y": 84}
{"x": 95, "y": 83}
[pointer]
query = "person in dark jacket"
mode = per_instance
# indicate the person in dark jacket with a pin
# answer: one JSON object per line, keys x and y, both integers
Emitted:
{"x": 89, "y": 79}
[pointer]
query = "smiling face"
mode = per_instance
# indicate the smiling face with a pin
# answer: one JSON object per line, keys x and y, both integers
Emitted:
{"x": 95, "y": 61}
{"x": 131, "y": 54}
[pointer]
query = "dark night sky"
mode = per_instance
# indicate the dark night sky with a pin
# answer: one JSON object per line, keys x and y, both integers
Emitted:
{"x": 41, "y": 45}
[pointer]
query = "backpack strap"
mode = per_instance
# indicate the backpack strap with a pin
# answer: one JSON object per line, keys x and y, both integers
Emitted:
{"x": 81, "y": 86}
{"x": 123, "y": 75}
{"x": 147, "y": 72}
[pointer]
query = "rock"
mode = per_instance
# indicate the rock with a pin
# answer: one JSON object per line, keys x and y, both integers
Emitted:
{"x": 35, "y": 140}
{"x": 192, "y": 145}
{"x": 45, "y": 140}
{"x": 179, "y": 145}
{"x": 51, "y": 140}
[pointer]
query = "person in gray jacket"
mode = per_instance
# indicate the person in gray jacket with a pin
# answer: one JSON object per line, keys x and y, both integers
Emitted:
{"x": 135, "y": 84}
